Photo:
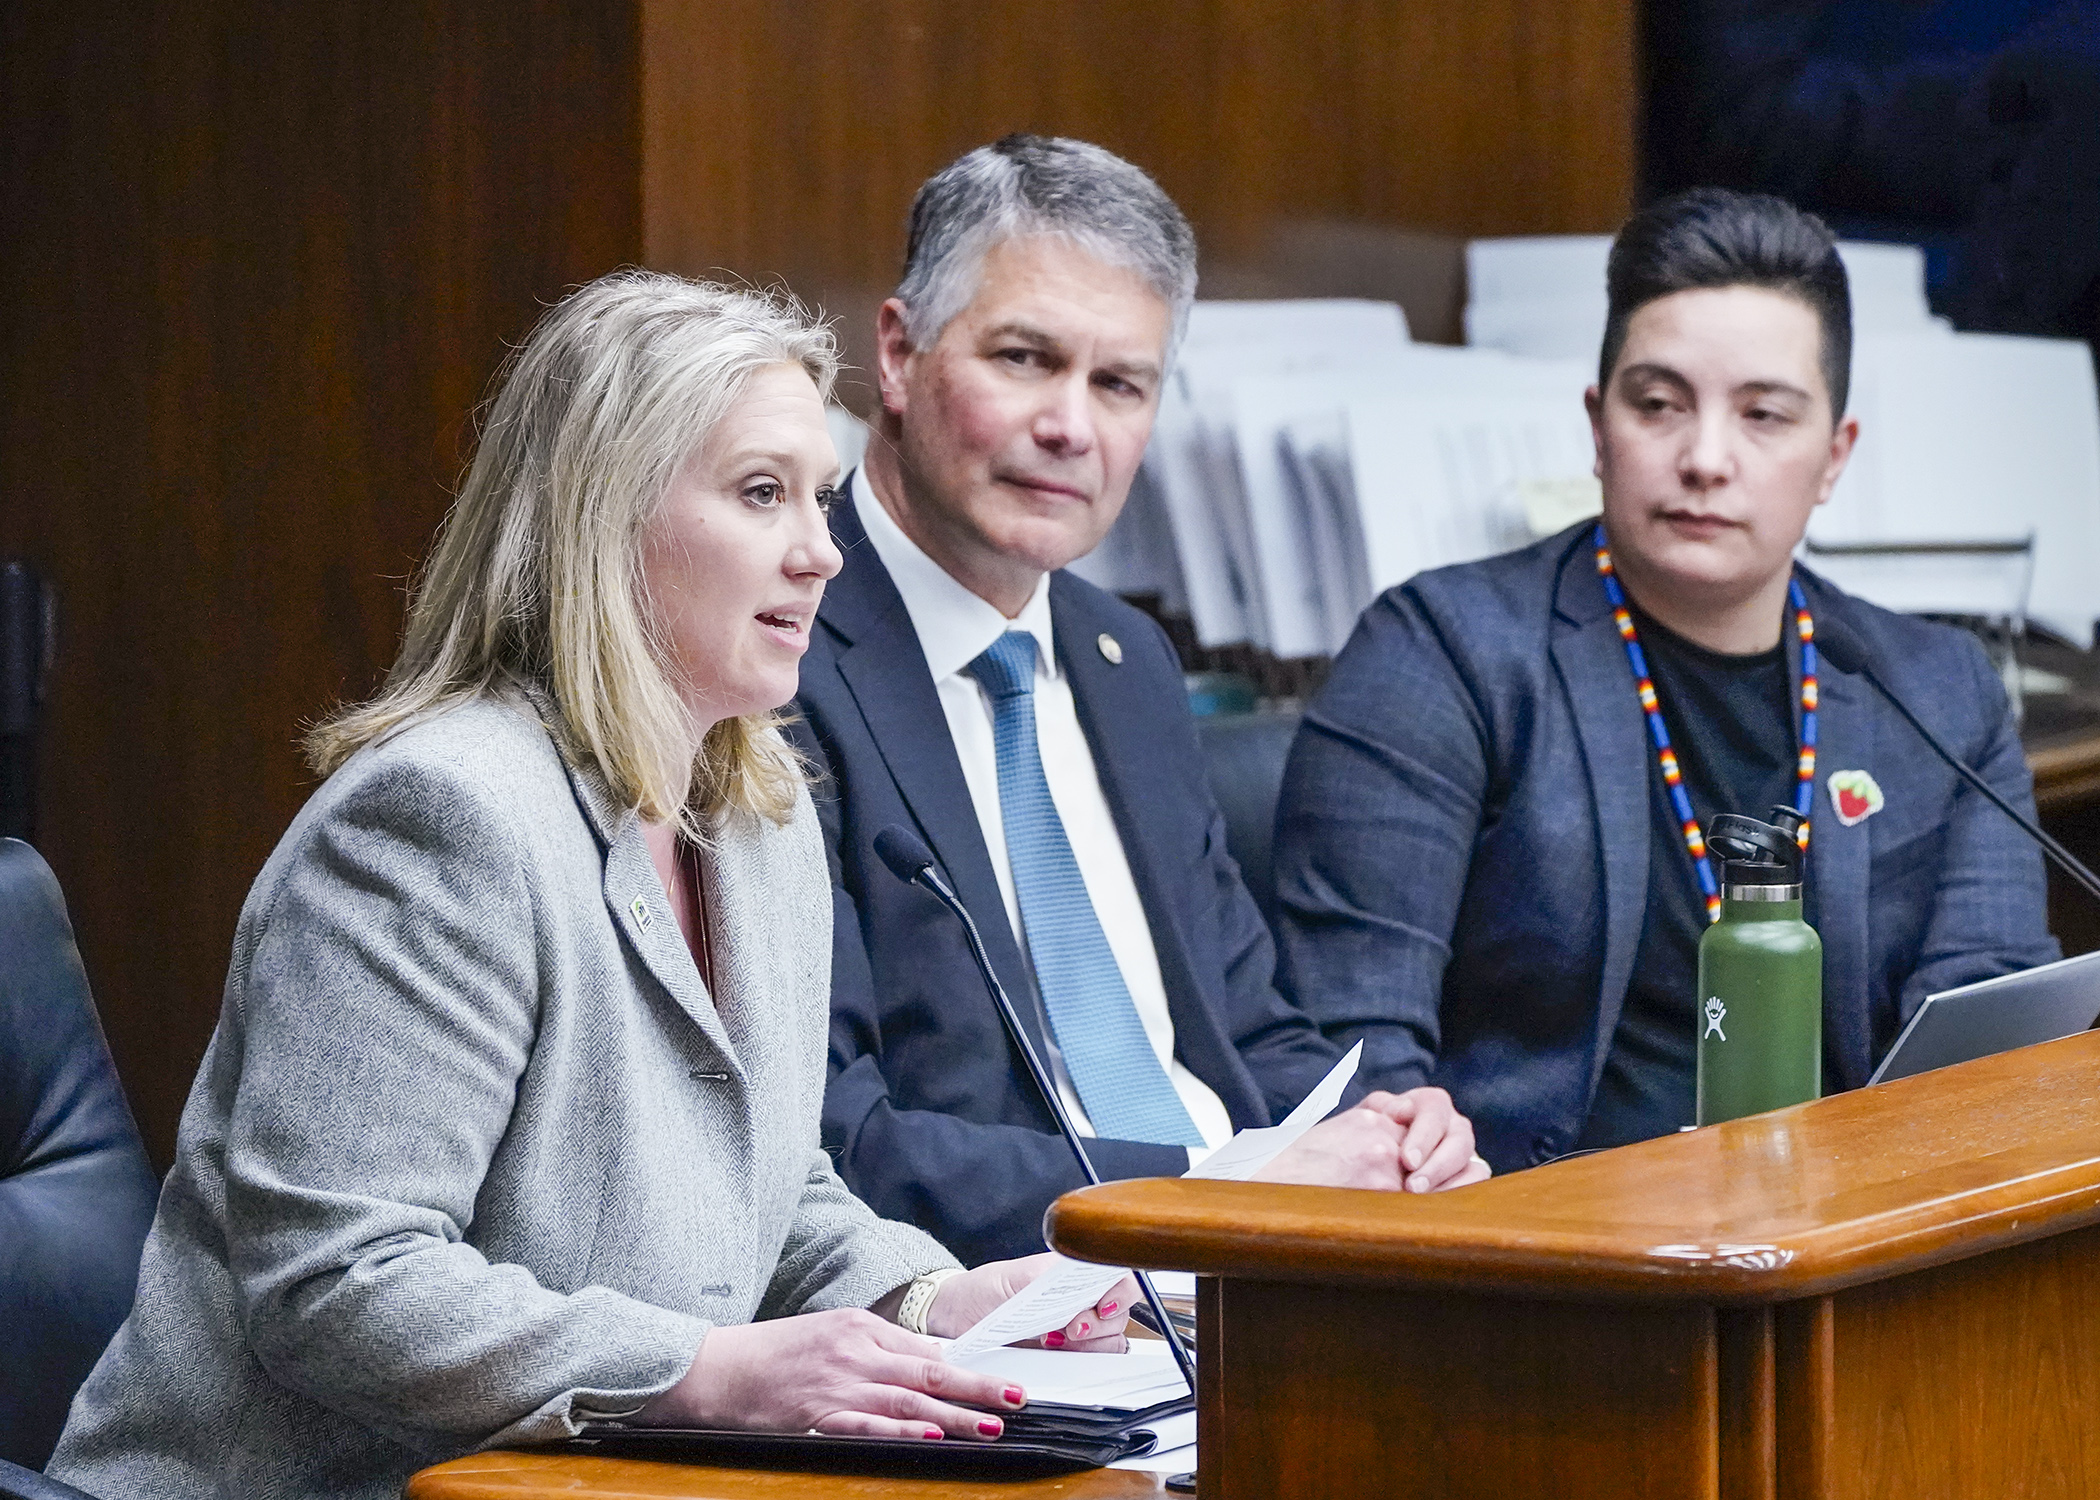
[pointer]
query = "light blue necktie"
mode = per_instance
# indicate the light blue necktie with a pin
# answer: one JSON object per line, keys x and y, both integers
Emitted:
{"x": 1127, "y": 1095}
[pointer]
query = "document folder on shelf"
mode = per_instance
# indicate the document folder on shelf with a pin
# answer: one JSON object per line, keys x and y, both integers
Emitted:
{"x": 1047, "y": 1438}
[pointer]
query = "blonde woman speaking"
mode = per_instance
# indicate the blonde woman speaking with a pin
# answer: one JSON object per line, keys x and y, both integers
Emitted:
{"x": 510, "y": 1119}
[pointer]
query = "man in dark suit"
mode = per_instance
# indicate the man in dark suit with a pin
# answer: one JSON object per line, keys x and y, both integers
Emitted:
{"x": 1484, "y": 868}
{"x": 1034, "y": 731}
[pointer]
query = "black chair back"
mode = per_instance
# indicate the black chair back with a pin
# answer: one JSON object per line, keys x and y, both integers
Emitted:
{"x": 76, "y": 1192}
{"x": 28, "y": 635}
{"x": 1243, "y": 755}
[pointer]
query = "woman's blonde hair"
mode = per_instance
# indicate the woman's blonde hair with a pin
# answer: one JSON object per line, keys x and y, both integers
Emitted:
{"x": 534, "y": 577}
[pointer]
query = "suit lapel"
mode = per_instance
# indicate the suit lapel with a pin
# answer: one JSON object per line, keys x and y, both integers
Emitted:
{"x": 1836, "y": 897}
{"x": 635, "y": 898}
{"x": 886, "y": 672}
{"x": 1591, "y": 660}
{"x": 1114, "y": 704}
{"x": 1109, "y": 702}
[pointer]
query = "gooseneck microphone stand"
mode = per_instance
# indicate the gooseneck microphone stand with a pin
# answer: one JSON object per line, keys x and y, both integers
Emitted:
{"x": 911, "y": 862}
{"x": 1844, "y": 650}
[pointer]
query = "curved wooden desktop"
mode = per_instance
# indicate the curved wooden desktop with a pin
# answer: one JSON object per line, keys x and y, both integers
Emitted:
{"x": 1890, "y": 1293}
{"x": 1893, "y": 1292}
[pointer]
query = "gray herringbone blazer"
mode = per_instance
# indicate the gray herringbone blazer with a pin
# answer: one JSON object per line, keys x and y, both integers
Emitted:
{"x": 474, "y": 1156}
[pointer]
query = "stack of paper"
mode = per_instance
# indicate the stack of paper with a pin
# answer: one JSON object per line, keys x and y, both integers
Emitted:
{"x": 1296, "y": 449}
{"x": 1450, "y": 479}
{"x": 1141, "y": 554}
{"x": 1972, "y": 438}
{"x": 1238, "y": 568}
{"x": 1540, "y": 295}
{"x": 1312, "y": 454}
{"x": 1544, "y": 295}
{"x": 1225, "y": 522}
{"x": 1144, "y": 1377}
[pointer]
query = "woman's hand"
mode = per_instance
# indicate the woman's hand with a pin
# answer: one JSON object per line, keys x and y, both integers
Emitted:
{"x": 963, "y": 1299}
{"x": 1416, "y": 1141}
{"x": 844, "y": 1372}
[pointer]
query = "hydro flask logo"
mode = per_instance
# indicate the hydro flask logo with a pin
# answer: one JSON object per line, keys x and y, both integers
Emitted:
{"x": 1715, "y": 1010}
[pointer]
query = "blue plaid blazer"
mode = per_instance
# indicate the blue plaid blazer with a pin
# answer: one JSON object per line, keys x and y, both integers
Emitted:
{"x": 1462, "y": 843}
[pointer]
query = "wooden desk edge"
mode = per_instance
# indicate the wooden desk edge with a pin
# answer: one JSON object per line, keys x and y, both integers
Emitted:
{"x": 1800, "y": 1202}
{"x": 2066, "y": 776}
{"x": 1101, "y": 1224}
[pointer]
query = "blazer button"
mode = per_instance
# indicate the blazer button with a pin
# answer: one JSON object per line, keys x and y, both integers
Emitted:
{"x": 1543, "y": 1149}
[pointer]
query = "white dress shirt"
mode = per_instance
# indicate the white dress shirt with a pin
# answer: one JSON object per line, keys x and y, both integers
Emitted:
{"x": 955, "y": 627}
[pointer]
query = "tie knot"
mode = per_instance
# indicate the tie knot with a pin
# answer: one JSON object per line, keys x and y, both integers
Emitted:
{"x": 1007, "y": 667}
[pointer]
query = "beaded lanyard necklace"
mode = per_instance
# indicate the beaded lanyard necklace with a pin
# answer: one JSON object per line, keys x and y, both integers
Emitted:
{"x": 1680, "y": 800}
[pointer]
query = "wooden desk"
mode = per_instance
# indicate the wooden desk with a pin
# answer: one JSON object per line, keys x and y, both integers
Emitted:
{"x": 1893, "y": 1292}
{"x": 2066, "y": 772}
{"x": 517, "y": 1476}
{"x": 2062, "y": 739}
{"x": 1890, "y": 1293}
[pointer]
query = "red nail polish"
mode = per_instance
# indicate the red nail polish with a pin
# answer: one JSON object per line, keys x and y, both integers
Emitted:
{"x": 935, "y": 1432}
{"x": 1054, "y": 1340}
{"x": 991, "y": 1427}
{"x": 1107, "y": 1309}
{"x": 1013, "y": 1395}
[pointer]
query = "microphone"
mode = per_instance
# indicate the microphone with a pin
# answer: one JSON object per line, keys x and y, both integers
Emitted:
{"x": 911, "y": 862}
{"x": 1839, "y": 645}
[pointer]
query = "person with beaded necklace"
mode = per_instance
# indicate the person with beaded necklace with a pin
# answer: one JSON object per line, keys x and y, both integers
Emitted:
{"x": 1489, "y": 863}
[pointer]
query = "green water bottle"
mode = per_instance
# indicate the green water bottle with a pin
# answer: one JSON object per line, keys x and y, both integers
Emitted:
{"x": 1760, "y": 976}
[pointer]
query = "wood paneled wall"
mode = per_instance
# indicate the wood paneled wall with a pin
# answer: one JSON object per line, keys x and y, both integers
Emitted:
{"x": 262, "y": 261}
{"x": 786, "y": 137}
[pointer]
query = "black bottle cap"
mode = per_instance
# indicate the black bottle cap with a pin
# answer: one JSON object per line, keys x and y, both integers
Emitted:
{"x": 1757, "y": 853}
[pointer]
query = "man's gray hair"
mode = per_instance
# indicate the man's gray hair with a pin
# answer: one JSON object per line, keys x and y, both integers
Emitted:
{"x": 1033, "y": 184}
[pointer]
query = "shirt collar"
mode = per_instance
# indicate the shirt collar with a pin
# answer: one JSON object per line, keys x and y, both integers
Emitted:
{"x": 954, "y": 626}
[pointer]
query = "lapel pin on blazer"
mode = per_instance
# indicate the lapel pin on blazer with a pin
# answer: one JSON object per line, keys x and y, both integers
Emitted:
{"x": 1854, "y": 796}
{"x": 1111, "y": 648}
{"x": 641, "y": 913}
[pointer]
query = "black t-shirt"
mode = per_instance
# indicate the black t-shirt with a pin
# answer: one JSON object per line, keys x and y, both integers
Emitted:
{"x": 1731, "y": 723}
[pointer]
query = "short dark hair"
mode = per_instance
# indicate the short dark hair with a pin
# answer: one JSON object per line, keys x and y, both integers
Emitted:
{"x": 1713, "y": 237}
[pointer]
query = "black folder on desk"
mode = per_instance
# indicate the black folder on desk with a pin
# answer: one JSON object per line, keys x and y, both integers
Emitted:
{"x": 1044, "y": 1439}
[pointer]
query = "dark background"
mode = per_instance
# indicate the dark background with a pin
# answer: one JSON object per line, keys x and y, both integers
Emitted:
{"x": 260, "y": 263}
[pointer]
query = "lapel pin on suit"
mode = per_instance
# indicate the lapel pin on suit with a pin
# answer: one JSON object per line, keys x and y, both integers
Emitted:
{"x": 1111, "y": 648}
{"x": 641, "y": 913}
{"x": 1854, "y": 796}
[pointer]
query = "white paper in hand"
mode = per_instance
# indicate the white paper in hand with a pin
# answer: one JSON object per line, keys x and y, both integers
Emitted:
{"x": 1066, "y": 1289}
{"x": 1251, "y": 1150}
{"x": 1142, "y": 1376}
{"x": 1069, "y": 1287}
